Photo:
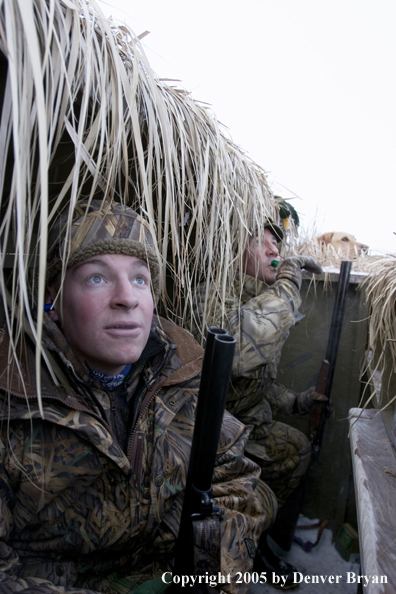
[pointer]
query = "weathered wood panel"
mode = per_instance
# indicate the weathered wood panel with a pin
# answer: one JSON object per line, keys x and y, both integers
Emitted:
{"x": 374, "y": 465}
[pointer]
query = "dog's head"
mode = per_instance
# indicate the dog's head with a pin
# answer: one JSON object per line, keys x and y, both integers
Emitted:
{"x": 344, "y": 243}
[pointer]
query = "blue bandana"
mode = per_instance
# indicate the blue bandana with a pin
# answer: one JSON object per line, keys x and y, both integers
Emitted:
{"x": 110, "y": 382}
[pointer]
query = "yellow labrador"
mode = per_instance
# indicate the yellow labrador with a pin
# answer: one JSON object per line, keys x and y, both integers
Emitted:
{"x": 344, "y": 243}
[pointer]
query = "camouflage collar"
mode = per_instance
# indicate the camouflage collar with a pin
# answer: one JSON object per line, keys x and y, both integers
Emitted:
{"x": 21, "y": 381}
{"x": 247, "y": 287}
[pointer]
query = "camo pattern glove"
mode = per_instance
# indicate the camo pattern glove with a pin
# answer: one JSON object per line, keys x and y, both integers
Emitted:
{"x": 291, "y": 268}
{"x": 306, "y": 399}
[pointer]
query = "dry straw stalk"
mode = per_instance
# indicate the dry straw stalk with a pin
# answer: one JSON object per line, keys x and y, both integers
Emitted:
{"x": 83, "y": 115}
{"x": 380, "y": 288}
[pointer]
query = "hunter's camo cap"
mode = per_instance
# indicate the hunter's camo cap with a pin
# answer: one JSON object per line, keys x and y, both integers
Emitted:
{"x": 102, "y": 229}
{"x": 275, "y": 230}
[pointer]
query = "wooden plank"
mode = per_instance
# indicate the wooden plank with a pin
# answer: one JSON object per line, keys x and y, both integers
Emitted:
{"x": 374, "y": 465}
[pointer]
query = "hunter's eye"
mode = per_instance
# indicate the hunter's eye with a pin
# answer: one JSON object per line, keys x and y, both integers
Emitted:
{"x": 140, "y": 280}
{"x": 96, "y": 279}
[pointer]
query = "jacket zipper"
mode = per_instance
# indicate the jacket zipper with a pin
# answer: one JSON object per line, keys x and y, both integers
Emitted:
{"x": 135, "y": 439}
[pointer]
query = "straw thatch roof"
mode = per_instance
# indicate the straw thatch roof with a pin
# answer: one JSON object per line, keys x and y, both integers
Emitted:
{"x": 83, "y": 116}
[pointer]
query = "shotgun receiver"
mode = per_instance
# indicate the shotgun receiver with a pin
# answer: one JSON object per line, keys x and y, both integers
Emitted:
{"x": 198, "y": 544}
{"x": 321, "y": 409}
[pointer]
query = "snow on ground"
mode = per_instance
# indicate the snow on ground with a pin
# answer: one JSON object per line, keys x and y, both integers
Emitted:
{"x": 323, "y": 560}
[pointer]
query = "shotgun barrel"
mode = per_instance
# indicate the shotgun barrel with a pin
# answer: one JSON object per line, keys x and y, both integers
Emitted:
{"x": 198, "y": 503}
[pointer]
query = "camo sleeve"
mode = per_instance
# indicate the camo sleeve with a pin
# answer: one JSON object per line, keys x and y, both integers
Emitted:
{"x": 235, "y": 491}
{"x": 282, "y": 399}
{"x": 261, "y": 326}
{"x": 287, "y": 401}
{"x": 234, "y": 488}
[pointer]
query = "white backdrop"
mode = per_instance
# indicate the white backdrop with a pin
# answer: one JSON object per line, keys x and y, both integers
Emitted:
{"x": 306, "y": 87}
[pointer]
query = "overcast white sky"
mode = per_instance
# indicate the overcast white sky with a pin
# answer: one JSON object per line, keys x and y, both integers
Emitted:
{"x": 306, "y": 87}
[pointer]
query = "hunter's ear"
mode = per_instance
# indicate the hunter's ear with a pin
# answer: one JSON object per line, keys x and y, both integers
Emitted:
{"x": 50, "y": 295}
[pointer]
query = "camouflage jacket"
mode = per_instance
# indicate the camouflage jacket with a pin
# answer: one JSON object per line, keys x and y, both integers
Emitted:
{"x": 79, "y": 511}
{"x": 259, "y": 317}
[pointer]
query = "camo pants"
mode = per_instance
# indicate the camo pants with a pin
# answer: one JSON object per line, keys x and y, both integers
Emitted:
{"x": 284, "y": 456}
{"x": 269, "y": 503}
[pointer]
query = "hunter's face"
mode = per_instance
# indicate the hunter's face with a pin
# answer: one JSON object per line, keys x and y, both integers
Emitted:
{"x": 105, "y": 310}
{"x": 259, "y": 255}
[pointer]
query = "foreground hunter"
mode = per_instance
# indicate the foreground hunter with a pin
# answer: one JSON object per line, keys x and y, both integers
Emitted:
{"x": 91, "y": 494}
